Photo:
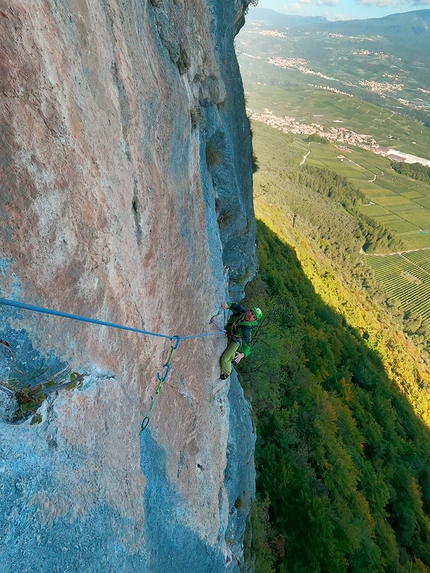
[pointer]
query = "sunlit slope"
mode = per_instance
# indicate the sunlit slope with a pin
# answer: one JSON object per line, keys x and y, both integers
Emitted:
{"x": 293, "y": 214}
{"x": 398, "y": 202}
{"x": 343, "y": 478}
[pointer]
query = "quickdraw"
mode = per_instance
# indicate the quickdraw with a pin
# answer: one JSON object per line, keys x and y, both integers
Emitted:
{"x": 161, "y": 380}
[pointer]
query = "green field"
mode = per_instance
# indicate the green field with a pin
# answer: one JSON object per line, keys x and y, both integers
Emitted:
{"x": 310, "y": 105}
{"x": 396, "y": 201}
{"x": 407, "y": 277}
{"x": 401, "y": 204}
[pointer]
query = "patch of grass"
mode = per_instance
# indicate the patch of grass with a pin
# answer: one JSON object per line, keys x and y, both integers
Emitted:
{"x": 29, "y": 398}
{"x": 374, "y": 211}
{"x": 400, "y": 227}
{"x": 213, "y": 154}
{"x": 195, "y": 115}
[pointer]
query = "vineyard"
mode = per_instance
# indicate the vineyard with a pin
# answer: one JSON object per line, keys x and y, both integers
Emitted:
{"x": 400, "y": 204}
{"x": 406, "y": 276}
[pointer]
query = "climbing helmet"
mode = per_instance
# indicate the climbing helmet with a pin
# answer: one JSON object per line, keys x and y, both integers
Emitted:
{"x": 257, "y": 312}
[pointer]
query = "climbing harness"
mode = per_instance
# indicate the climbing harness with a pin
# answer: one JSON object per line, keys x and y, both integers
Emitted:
{"x": 177, "y": 339}
{"x": 161, "y": 380}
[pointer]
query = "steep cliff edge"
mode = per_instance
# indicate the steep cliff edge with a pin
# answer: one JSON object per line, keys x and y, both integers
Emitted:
{"x": 125, "y": 196}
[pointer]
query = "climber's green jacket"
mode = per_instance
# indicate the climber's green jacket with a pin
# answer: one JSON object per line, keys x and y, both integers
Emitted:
{"x": 238, "y": 329}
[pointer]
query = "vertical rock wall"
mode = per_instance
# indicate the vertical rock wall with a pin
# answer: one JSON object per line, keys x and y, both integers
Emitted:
{"x": 125, "y": 196}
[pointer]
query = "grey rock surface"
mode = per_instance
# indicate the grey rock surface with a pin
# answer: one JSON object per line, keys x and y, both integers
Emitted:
{"x": 127, "y": 197}
{"x": 8, "y": 405}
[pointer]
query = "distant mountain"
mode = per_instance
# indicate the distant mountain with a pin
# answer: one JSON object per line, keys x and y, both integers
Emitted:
{"x": 273, "y": 18}
{"x": 406, "y": 36}
{"x": 416, "y": 23}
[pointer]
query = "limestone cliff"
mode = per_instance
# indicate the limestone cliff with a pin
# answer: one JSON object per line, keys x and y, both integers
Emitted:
{"x": 125, "y": 196}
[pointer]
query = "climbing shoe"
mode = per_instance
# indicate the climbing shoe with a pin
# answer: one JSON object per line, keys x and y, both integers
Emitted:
{"x": 224, "y": 376}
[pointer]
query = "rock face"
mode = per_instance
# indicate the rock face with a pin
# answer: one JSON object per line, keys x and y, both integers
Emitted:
{"x": 125, "y": 196}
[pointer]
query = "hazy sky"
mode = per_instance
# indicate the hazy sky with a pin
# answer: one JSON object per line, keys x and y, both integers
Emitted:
{"x": 344, "y": 9}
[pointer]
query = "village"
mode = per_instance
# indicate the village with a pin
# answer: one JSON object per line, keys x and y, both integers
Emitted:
{"x": 341, "y": 135}
{"x": 338, "y": 134}
{"x": 381, "y": 88}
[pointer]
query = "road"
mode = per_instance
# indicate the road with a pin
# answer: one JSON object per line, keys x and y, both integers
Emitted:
{"x": 304, "y": 158}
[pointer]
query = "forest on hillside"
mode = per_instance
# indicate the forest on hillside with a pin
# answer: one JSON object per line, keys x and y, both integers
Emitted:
{"x": 375, "y": 236}
{"x": 339, "y": 384}
{"x": 343, "y": 461}
{"x": 324, "y": 205}
{"x": 412, "y": 170}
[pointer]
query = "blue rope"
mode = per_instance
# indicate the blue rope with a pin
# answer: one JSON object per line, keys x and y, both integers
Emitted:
{"x": 166, "y": 366}
{"x": 43, "y": 310}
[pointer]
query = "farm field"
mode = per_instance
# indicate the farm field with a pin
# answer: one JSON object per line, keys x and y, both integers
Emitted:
{"x": 301, "y": 92}
{"x": 405, "y": 276}
{"x": 313, "y": 105}
{"x": 401, "y": 204}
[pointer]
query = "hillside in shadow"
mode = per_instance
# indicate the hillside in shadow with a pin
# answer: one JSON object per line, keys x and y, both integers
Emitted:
{"x": 343, "y": 460}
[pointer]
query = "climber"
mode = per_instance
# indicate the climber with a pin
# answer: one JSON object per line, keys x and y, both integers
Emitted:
{"x": 238, "y": 328}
